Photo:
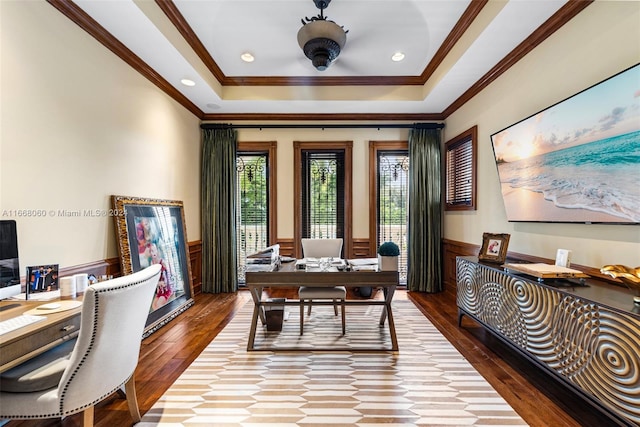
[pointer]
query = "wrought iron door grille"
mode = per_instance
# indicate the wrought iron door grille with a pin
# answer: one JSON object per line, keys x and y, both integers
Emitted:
{"x": 252, "y": 210}
{"x": 393, "y": 203}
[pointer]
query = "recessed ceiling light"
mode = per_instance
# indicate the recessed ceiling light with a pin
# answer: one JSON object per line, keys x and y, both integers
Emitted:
{"x": 213, "y": 106}
{"x": 247, "y": 57}
{"x": 397, "y": 57}
{"x": 188, "y": 82}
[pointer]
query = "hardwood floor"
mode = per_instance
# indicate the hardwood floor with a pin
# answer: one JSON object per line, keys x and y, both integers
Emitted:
{"x": 538, "y": 399}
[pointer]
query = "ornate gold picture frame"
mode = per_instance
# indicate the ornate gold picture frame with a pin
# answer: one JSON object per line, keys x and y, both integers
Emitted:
{"x": 153, "y": 231}
{"x": 494, "y": 247}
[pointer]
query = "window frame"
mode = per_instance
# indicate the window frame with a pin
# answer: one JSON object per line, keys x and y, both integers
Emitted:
{"x": 374, "y": 147}
{"x": 458, "y": 143}
{"x": 270, "y": 148}
{"x": 298, "y": 147}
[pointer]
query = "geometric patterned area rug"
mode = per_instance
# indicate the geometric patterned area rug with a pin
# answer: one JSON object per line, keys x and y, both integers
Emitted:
{"x": 426, "y": 383}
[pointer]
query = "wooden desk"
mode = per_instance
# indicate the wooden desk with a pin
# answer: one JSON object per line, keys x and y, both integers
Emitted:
{"x": 288, "y": 277}
{"x": 36, "y": 338}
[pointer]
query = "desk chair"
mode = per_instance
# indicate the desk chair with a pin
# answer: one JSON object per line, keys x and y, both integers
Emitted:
{"x": 318, "y": 248}
{"x": 103, "y": 359}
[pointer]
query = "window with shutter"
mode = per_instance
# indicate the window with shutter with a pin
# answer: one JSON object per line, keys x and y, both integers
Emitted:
{"x": 460, "y": 175}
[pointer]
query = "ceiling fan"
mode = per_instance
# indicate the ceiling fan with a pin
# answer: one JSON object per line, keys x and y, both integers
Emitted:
{"x": 320, "y": 38}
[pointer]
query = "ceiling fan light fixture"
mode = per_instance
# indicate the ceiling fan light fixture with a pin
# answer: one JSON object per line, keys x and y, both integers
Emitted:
{"x": 321, "y": 40}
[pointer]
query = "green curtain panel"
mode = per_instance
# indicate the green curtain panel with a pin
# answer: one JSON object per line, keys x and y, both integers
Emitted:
{"x": 425, "y": 211}
{"x": 218, "y": 201}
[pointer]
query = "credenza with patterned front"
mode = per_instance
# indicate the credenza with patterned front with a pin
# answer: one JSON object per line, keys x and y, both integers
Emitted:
{"x": 589, "y": 336}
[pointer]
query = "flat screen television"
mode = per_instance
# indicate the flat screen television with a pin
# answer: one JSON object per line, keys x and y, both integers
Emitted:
{"x": 9, "y": 264}
{"x": 577, "y": 160}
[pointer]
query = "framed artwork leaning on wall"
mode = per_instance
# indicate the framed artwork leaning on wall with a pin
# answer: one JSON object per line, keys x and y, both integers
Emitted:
{"x": 153, "y": 231}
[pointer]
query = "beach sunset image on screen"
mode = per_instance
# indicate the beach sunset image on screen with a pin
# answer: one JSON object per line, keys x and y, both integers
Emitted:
{"x": 578, "y": 160}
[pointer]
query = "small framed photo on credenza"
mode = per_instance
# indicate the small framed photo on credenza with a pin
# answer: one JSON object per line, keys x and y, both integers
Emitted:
{"x": 494, "y": 247}
{"x": 42, "y": 278}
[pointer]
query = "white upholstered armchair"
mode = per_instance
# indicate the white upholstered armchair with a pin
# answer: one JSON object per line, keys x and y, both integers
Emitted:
{"x": 103, "y": 359}
{"x": 319, "y": 248}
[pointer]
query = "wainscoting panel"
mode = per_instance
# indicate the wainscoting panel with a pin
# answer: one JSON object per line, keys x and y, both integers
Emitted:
{"x": 450, "y": 250}
{"x": 195, "y": 258}
{"x": 361, "y": 249}
{"x": 286, "y": 247}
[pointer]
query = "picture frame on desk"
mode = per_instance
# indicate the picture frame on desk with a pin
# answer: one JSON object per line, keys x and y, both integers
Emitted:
{"x": 153, "y": 231}
{"x": 41, "y": 278}
{"x": 494, "y": 247}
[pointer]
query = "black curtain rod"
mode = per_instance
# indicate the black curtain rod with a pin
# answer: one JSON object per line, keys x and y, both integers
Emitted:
{"x": 325, "y": 126}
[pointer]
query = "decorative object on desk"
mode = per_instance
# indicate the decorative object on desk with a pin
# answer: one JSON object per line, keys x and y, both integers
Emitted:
{"x": 563, "y": 258}
{"x": 153, "y": 231}
{"x": 363, "y": 264}
{"x": 67, "y": 287}
{"x": 266, "y": 256}
{"x": 494, "y": 247}
{"x": 82, "y": 281}
{"x": 388, "y": 253}
{"x": 41, "y": 278}
{"x": 627, "y": 275}
{"x": 267, "y": 259}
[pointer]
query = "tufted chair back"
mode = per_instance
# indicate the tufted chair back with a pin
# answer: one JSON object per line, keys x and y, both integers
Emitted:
{"x": 105, "y": 354}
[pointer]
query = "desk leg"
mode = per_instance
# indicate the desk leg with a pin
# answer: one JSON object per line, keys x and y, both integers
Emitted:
{"x": 383, "y": 316}
{"x": 388, "y": 296}
{"x": 256, "y": 294}
{"x": 387, "y": 312}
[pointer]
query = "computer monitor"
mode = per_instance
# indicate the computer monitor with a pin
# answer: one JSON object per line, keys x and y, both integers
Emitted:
{"x": 9, "y": 265}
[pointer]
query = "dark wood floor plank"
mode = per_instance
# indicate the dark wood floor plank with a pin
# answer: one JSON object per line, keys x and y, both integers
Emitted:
{"x": 538, "y": 399}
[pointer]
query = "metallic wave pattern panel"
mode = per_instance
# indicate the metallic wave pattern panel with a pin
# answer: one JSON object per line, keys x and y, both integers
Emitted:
{"x": 613, "y": 371}
{"x": 536, "y": 303}
{"x": 595, "y": 348}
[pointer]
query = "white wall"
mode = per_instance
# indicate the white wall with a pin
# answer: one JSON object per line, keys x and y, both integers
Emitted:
{"x": 79, "y": 125}
{"x": 601, "y": 41}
